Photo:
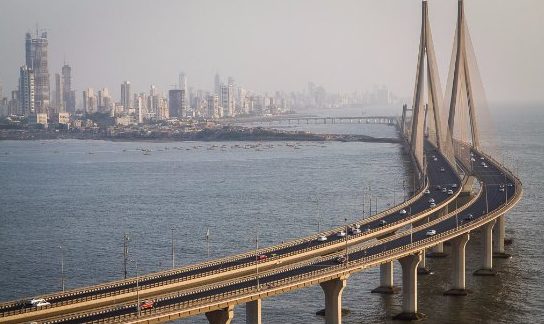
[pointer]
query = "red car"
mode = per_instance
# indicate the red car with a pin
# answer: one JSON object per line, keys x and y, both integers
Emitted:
{"x": 147, "y": 304}
{"x": 261, "y": 257}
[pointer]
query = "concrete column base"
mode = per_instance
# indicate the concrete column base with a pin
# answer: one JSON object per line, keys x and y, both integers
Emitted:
{"x": 457, "y": 292}
{"x": 409, "y": 317}
{"x": 333, "y": 299}
{"x": 385, "y": 290}
{"x": 409, "y": 289}
{"x": 253, "y": 312}
{"x": 221, "y": 316}
{"x": 458, "y": 245}
{"x": 485, "y": 272}
{"x": 386, "y": 280}
{"x": 501, "y": 255}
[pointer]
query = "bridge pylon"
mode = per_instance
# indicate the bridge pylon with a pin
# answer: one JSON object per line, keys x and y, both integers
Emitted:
{"x": 461, "y": 90}
{"x": 426, "y": 112}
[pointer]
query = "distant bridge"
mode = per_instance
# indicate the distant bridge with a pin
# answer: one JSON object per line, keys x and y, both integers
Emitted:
{"x": 389, "y": 120}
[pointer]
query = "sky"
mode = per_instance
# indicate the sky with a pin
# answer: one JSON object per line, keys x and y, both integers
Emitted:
{"x": 269, "y": 45}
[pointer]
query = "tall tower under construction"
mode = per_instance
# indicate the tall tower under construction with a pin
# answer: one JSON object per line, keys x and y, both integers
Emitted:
{"x": 36, "y": 60}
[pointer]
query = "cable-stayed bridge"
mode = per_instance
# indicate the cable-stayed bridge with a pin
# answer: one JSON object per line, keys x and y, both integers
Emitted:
{"x": 460, "y": 188}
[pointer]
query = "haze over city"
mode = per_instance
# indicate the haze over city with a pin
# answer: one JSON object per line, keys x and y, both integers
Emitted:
{"x": 273, "y": 45}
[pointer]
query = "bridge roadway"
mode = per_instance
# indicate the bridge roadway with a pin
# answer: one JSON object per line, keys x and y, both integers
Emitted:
{"x": 488, "y": 201}
{"x": 415, "y": 209}
{"x": 389, "y": 120}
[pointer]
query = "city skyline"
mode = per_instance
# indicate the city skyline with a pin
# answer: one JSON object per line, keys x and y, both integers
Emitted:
{"x": 347, "y": 56}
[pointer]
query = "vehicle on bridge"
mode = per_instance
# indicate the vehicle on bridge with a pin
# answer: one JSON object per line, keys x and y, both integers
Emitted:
{"x": 147, "y": 304}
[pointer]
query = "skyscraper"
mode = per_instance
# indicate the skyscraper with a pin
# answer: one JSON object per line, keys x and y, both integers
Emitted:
{"x": 58, "y": 97}
{"x": 125, "y": 95}
{"x": 69, "y": 99}
{"x": 26, "y": 92}
{"x": 183, "y": 86}
{"x": 36, "y": 60}
{"x": 175, "y": 103}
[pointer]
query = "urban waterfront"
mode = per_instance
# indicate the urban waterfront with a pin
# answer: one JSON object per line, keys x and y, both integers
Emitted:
{"x": 57, "y": 193}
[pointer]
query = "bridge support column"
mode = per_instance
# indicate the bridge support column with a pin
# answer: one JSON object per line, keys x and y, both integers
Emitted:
{"x": 333, "y": 299}
{"x": 386, "y": 280}
{"x": 253, "y": 312}
{"x": 458, "y": 245}
{"x": 221, "y": 316}
{"x": 422, "y": 268}
{"x": 499, "y": 238}
{"x": 437, "y": 251}
{"x": 409, "y": 288}
{"x": 487, "y": 253}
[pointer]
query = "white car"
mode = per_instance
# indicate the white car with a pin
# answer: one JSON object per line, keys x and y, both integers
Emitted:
{"x": 442, "y": 169}
{"x": 427, "y": 191}
{"x": 450, "y": 192}
{"x": 454, "y": 185}
{"x": 432, "y": 205}
{"x": 430, "y": 233}
{"x": 444, "y": 189}
{"x": 402, "y": 211}
{"x": 483, "y": 163}
{"x": 431, "y": 200}
{"x": 473, "y": 159}
{"x": 482, "y": 158}
{"x": 341, "y": 234}
{"x": 354, "y": 230}
{"x": 501, "y": 189}
{"x": 435, "y": 159}
{"x": 383, "y": 222}
{"x": 38, "y": 302}
{"x": 321, "y": 238}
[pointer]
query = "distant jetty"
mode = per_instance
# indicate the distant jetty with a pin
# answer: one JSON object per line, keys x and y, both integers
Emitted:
{"x": 226, "y": 133}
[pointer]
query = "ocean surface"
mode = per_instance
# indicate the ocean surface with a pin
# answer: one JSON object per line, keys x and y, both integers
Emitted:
{"x": 84, "y": 195}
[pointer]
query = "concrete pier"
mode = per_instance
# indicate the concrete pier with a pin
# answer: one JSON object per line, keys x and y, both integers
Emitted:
{"x": 422, "y": 268}
{"x": 253, "y": 312}
{"x": 333, "y": 299}
{"x": 386, "y": 280}
{"x": 499, "y": 235}
{"x": 487, "y": 253}
{"x": 437, "y": 251}
{"x": 458, "y": 245}
{"x": 409, "y": 288}
{"x": 221, "y": 316}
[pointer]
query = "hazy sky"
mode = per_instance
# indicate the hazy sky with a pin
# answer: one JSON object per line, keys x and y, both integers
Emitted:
{"x": 344, "y": 45}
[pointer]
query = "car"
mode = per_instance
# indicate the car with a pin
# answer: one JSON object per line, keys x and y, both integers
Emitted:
{"x": 427, "y": 191}
{"x": 354, "y": 230}
{"x": 482, "y": 158}
{"x": 437, "y": 187}
{"x": 431, "y": 200}
{"x": 432, "y": 205}
{"x": 273, "y": 255}
{"x": 468, "y": 217}
{"x": 444, "y": 189}
{"x": 261, "y": 257}
{"x": 454, "y": 185}
{"x": 485, "y": 165}
{"x": 501, "y": 189}
{"x": 367, "y": 230}
{"x": 147, "y": 304}
{"x": 435, "y": 159}
{"x": 38, "y": 302}
{"x": 340, "y": 259}
{"x": 510, "y": 185}
{"x": 321, "y": 238}
{"x": 402, "y": 211}
{"x": 450, "y": 192}
{"x": 341, "y": 234}
{"x": 442, "y": 169}
{"x": 383, "y": 222}
{"x": 430, "y": 232}
{"x": 473, "y": 159}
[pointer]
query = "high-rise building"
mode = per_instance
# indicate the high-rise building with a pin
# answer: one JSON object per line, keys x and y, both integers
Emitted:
{"x": 36, "y": 60}
{"x": 69, "y": 97}
{"x": 217, "y": 85}
{"x": 183, "y": 86}
{"x": 213, "y": 106}
{"x": 26, "y": 92}
{"x": 175, "y": 103}
{"x": 89, "y": 101}
{"x": 58, "y": 97}
{"x": 125, "y": 95}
